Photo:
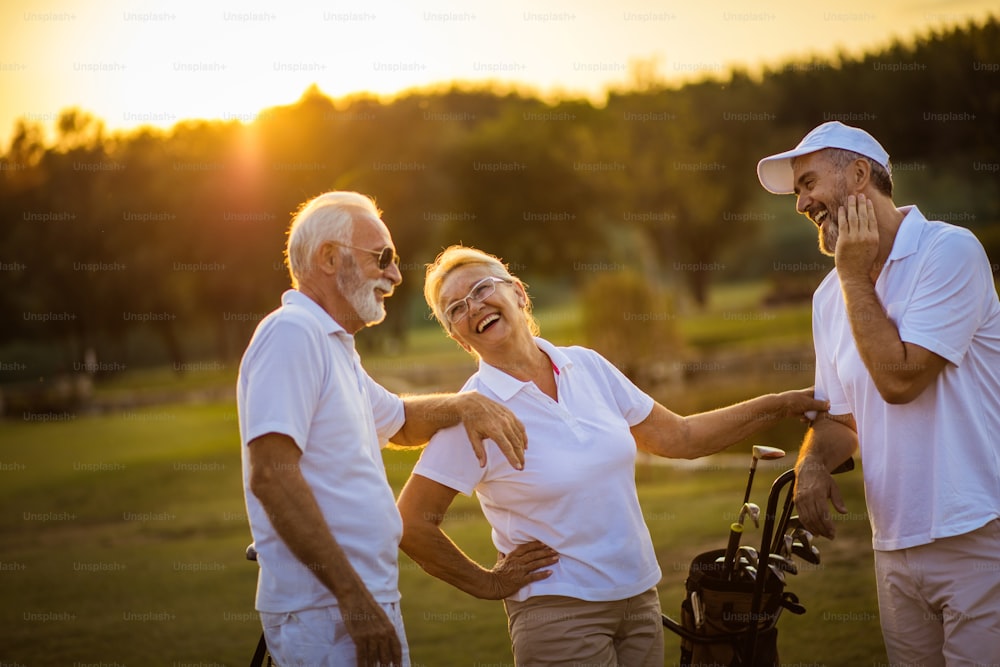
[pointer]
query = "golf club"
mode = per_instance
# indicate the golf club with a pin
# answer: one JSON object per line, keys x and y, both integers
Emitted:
{"x": 802, "y": 546}
{"x": 749, "y": 553}
{"x": 740, "y": 574}
{"x": 747, "y": 562}
{"x": 735, "y": 531}
{"x": 751, "y": 510}
{"x": 785, "y": 548}
{"x": 782, "y": 526}
{"x": 782, "y": 563}
{"x": 759, "y": 452}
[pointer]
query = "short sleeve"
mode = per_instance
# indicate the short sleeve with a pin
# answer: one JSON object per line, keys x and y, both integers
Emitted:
{"x": 827, "y": 382}
{"x": 448, "y": 459}
{"x": 387, "y": 410}
{"x": 281, "y": 383}
{"x": 948, "y": 303}
{"x": 633, "y": 404}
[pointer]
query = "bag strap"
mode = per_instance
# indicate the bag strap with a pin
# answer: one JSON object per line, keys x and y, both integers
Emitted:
{"x": 258, "y": 655}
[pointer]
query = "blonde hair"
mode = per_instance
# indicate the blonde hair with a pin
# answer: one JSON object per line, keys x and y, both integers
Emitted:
{"x": 326, "y": 217}
{"x": 457, "y": 256}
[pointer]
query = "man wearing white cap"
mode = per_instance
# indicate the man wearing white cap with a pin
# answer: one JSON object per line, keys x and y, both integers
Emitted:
{"x": 907, "y": 336}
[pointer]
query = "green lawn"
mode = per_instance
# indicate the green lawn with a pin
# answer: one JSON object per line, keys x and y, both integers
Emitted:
{"x": 123, "y": 539}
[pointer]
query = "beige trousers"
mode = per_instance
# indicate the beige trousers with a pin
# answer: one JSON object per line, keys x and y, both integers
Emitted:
{"x": 940, "y": 602}
{"x": 555, "y": 630}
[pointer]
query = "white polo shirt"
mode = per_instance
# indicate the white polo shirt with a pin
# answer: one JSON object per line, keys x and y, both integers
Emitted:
{"x": 302, "y": 377}
{"x": 931, "y": 466}
{"x": 577, "y": 491}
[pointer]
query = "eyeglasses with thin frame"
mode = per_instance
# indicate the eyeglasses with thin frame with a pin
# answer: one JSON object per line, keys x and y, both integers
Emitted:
{"x": 385, "y": 255}
{"x": 483, "y": 289}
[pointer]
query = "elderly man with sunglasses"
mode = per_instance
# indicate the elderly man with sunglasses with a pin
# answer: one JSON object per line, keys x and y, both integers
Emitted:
{"x": 322, "y": 514}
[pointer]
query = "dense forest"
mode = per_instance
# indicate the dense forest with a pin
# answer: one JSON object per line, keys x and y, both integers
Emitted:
{"x": 175, "y": 237}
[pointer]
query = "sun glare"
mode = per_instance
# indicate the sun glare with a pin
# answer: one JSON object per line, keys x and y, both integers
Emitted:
{"x": 132, "y": 64}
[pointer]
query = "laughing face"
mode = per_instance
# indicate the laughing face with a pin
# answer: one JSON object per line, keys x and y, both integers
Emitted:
{"x": 821, "y": 189}
{"x": 486, "y": 309}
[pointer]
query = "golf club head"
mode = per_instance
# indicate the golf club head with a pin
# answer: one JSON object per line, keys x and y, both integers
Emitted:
{"x": 802, "y": 535}
{"x": 786, "y": 546}
{"x": 807, "y": 550}
{"x": 751, "y": 572}
{"x": 783, "y": 563}
{"x": 776, "y": 572}
{"x": 809, "y": 554}
{"x": 750, "y": 554}
{"x": 753, "y": 511}
{"x": 765, "y": 453}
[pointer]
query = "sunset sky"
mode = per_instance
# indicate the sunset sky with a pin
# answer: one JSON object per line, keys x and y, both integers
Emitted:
{"x": 135, "y": 62}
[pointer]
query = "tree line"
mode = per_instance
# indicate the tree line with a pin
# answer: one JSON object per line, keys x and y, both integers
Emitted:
{"x": 177, "y": 235}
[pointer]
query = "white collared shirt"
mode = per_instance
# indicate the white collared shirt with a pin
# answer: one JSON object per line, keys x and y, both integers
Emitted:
{"x": 577, "y": 490}
{"x": 301, "y": 377}
{"x": 931, "y": 466}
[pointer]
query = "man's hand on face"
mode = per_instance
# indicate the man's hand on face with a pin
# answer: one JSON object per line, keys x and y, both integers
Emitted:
{"x": 857, "y": 245}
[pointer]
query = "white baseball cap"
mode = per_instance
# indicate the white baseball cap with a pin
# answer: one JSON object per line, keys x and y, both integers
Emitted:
{"x": 775, "y": 172}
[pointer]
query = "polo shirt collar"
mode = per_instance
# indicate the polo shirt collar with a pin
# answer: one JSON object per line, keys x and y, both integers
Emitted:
{"x": 330, "y": 326}
{"x": 504, "y": 386}
{"x": 908, "y": 235}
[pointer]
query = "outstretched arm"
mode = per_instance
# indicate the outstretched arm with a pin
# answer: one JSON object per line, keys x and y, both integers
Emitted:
{"x": 423, "y": 504}
{"x": 664, "y": 433}
{"x": 483, "y": 419}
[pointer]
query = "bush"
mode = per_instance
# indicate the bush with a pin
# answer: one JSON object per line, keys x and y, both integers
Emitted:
{"x": 633, "y": 324}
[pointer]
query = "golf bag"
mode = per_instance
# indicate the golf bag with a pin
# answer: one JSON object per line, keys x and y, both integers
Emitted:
{"x": 716, "y": 616}
{"x": 732, "y": 621}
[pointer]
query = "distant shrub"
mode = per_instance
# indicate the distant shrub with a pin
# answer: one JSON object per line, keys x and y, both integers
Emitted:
{"x": 633, "y": 324}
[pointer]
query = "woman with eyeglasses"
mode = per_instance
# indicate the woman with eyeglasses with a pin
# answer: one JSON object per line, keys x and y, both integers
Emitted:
{"x": 576, "y": 567}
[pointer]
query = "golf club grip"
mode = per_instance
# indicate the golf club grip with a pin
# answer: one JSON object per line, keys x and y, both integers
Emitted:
{"x": 729, "y": 563}
{"x": 846, "y": 466}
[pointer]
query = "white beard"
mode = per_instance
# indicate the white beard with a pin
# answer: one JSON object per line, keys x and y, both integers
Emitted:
{"x": 360, "y": 293}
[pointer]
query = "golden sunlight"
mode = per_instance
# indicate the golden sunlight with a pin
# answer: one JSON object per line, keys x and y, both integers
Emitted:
{"x": 157, "y": 65}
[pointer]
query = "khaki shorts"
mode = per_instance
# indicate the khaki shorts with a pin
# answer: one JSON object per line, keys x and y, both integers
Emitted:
{"x": 557, "y": 630}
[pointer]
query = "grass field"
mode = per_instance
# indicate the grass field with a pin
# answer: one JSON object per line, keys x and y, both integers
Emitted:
{"x": 123, "y": 537}
{"x": 123, "y": 532}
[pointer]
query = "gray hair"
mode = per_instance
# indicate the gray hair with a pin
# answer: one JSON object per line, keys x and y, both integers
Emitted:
{"x": 881, "y": 177}
{"x": 326, "y": 217}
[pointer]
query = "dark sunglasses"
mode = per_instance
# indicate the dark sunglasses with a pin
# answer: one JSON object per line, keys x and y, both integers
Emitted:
{"x": 385, "y": 255}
